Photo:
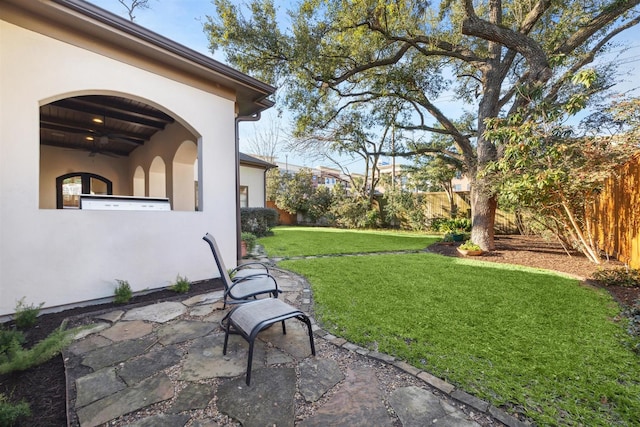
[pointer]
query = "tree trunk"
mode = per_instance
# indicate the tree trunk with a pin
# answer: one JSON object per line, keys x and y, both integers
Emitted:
{"x": 483, "y": 216}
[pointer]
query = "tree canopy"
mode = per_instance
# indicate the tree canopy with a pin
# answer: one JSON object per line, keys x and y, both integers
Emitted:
{"x": 498, "y": 58}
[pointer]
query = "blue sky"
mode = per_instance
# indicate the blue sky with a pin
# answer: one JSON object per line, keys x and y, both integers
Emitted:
{"x": 182, "y": 21}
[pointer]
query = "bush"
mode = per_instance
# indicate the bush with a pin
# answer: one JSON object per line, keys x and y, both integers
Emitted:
{"x": 10, "y": 341}
{"x": 258, "y": 221}
{"x": 249, "y": 239}
{"x": 19, "y": 359}
{"x": 26, "y": 315}
{"x": 181, "y": 285}
{"x": 624, "y": 276}
{"x": 123, "y": 292}
{"x": 9, "y": 413}
{"x": 445, "y": 225}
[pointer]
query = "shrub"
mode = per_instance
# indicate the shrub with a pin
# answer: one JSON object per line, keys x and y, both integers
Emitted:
{"x": 9, "y": 412}
{"x": 26, "y": 315}
{"x": 19, "y": 359}
{"x": 249, "y": 239}
{"x": 470, "y": 246}
{"x": 258, "y": 221}
{"x": 123, "y": 292}
{"x": 444, "y": 225}
{"x": 181, "y": 285}
{"x": 623, "y": 276}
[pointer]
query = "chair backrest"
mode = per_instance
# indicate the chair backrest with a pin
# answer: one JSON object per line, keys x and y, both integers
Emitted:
{"x": 224, "y": 274}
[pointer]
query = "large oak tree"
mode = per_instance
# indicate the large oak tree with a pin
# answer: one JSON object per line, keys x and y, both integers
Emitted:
{"x": 501, "y": 58}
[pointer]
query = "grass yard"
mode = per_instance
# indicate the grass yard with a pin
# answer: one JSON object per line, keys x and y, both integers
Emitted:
{"x": 308, "y": 241}
{"x": 530, "y": 340}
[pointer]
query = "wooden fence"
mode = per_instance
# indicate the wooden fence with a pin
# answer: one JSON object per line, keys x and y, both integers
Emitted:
{"x": 617, "y": 214}
{"x": 436, "y": 205}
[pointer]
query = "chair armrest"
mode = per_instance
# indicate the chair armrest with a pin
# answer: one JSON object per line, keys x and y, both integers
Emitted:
{"x": 242, "y": 266}
{"x": 253, "y": 276}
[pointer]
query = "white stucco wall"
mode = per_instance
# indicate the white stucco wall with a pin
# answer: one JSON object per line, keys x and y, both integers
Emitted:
{"x": 62, "y": 256}
{"x": 254, "y": 179}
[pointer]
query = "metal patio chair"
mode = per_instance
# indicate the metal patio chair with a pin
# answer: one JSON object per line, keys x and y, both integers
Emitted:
{"x": 240, "y": 289}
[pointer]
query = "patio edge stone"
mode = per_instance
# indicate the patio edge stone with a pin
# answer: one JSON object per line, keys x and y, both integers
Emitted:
{"x": 470, "y": 400}
{"x": 507, "y": 419}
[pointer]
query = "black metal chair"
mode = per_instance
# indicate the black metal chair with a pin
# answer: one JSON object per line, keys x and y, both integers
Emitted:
{"x": 243, "y": 288}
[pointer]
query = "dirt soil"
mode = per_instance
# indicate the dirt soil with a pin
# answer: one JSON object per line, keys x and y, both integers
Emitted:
{"x": 44, "y": 388}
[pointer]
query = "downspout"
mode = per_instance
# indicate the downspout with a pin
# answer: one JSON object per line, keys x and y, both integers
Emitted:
{"x": 252, "y": 118}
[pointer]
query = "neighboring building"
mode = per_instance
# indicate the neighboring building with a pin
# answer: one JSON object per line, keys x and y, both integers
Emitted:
{"x": 461, "y": 183}
{"x": 320, "y": 175}
{"x": 253, "y": 181}
{"x": 105, "y": 126}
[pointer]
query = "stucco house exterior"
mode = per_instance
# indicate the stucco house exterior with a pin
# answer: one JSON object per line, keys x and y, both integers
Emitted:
{"x": 253, "y": 181}
{"x": 118, "y": 152}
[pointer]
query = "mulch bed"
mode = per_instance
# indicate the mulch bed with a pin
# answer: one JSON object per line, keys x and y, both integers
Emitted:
{"x": 44, "y": 388}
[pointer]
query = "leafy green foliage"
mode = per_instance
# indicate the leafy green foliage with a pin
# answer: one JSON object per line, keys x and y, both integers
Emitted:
{"x": 18, "y": 359}
{"x": 249, "y": 239}
{"x": 516, "y": 337}
{"x": 122, "y": 292}
{"x": 320, "y": 203}
{"x": 470, "y": 246}
{"x": 258, "y": 221}
{"x": 444, "y": 225}
{"x": 26, "y": 314}
{"x": 181, "y": 285}
{"x": 290, "y": 191}
{"x": 553, "y": 175}
{"x": 11, "y": 340}
{"x": 624, "y": 276}
{"x": 11, "y": 412}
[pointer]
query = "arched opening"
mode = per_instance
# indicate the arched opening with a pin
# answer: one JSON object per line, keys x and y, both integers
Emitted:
{"x": 158, "y": 178}
{"x": 139, "y": 182}
{"x": 184, "y": 181}
{"x": 121, "y": 139}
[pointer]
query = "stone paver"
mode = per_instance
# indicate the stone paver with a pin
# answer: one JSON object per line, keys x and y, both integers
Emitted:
{"x": 268, "y": 402}
{"x": 97, "y": 385}
{"x": 358, "y": 403}
{"x": 123, "y": 331}
{"x": 184, "y": 330}
{"x": 145, "y": 393}
{"x": 417, "y": 407}
{"x": 159, "y": 313}
{"x": 91, "y": 329}
{"x": 317, "y": 376}
{"x": 118, "y": 352}
{"x": 89, "y": 344}
{"x": 204, "y": 298}
{"x": 112, "y": 316}
{"x": 205, "y": 359}
{"x": 148, "y": 364}
{"x": 193, "y": 396}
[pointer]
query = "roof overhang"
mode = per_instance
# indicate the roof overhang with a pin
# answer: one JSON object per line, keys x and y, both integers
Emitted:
{"x": 103, "y": 27}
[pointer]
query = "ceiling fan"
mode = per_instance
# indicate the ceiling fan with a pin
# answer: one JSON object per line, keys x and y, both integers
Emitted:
{"x": 104, "y": 137}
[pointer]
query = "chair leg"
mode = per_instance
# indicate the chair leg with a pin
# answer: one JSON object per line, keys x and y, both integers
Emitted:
{"x": 313, "y": 347}
{"x": 226, "y": 337}
{"x": 284, "y": 329}
{"x": 249, "y": 363}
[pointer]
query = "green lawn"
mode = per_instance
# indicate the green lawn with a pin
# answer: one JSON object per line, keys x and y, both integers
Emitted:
{"x": 527, "y": 339}
{"x": 308, "y": 241}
